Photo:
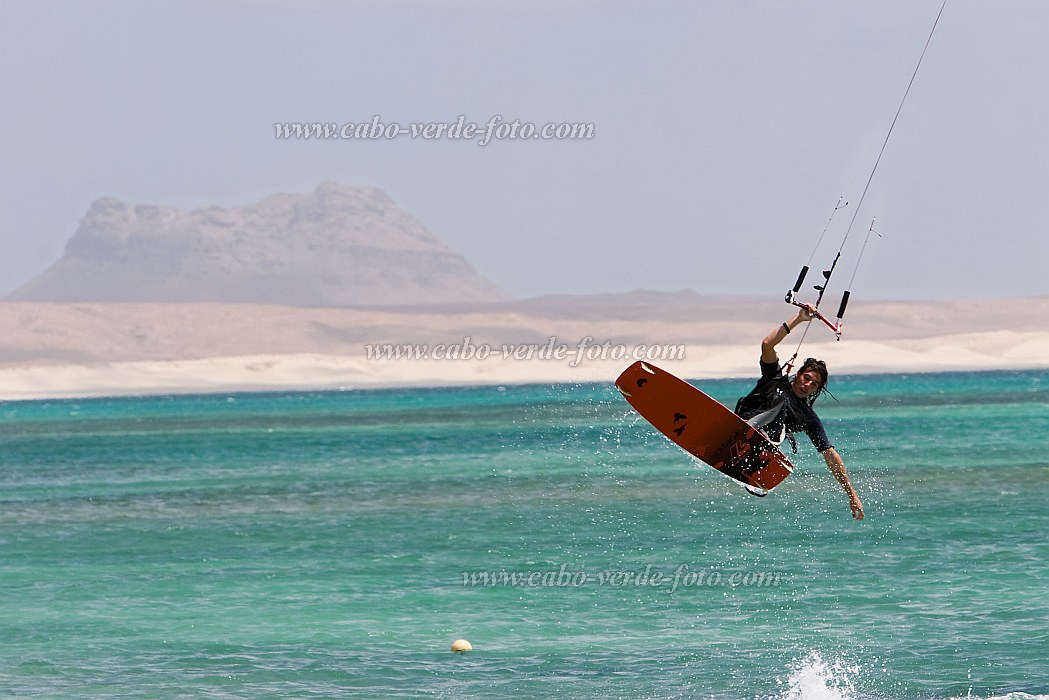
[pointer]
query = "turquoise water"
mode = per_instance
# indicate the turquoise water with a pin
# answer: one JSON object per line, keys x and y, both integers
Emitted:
{"x": 322, "y": 545}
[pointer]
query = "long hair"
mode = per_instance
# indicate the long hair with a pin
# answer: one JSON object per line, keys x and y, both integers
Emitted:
{"x": 811, "y": 363}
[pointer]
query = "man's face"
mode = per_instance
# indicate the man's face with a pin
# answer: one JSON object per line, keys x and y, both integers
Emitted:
{"x": 806, "y": 383}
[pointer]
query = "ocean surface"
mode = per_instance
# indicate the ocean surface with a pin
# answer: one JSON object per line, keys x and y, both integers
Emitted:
{"x": 326, "y": 545}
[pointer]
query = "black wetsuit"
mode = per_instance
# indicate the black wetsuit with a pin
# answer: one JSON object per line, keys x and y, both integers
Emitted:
{"x": 786, "y": 413}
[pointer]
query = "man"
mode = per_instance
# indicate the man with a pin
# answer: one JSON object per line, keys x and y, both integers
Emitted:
{"x": 781, "y": 406}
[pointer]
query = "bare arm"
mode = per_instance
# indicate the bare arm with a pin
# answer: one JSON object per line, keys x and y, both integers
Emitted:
{"x": 837, "y": 468}
{"x": 768, "y": 345}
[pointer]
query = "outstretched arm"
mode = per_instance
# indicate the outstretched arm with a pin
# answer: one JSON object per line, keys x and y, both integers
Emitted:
{"x": 768, "y": 345}
{"x": 837, "y": 468}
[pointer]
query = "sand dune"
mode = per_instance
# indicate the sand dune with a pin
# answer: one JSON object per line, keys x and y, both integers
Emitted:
{"x": 73, "y": 350}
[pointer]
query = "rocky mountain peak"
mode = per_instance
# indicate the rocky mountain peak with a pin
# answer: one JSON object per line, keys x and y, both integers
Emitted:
{"x": 339, "y": 245}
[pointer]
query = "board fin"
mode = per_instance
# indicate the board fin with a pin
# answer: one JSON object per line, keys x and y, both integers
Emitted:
{"x": 756, "y": 491}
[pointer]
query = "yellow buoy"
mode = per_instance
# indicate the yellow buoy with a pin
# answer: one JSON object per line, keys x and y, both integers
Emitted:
{"x": 461, "y": 645}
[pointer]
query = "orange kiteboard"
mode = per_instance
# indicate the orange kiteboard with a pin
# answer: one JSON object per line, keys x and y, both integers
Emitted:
{"x": 703, "y": 427}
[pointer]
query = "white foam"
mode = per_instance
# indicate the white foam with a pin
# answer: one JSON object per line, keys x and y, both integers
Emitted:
{"x": 814, "y": 679}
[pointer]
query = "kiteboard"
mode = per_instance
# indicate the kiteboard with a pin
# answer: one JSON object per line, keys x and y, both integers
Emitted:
{"x": 704, "y": 428}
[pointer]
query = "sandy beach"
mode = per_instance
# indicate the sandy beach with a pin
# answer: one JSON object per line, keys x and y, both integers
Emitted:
{"x": 85, "y": 350}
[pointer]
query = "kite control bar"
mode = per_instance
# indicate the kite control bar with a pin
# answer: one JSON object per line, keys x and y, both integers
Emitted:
{"x": 814, "y": 308}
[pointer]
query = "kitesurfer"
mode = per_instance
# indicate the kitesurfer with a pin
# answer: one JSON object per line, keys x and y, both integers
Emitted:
{"x": 782, "y": 406}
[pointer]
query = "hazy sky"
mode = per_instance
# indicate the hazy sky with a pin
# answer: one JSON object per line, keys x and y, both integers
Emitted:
{"x": 724, "y": 131}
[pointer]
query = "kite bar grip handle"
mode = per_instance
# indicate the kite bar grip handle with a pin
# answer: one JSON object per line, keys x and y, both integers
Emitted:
{"x": 844, "y": 303}
{"x": 801, "y": 278}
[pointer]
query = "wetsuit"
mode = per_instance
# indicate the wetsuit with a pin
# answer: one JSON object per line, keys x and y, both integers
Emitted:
{"x": 784, "y": 413}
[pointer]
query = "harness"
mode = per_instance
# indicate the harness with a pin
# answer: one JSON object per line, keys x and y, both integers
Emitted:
{"x": 768, "y": 395}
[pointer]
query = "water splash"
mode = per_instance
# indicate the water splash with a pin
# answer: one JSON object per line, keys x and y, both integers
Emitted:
{"x": 812, "y": 678}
